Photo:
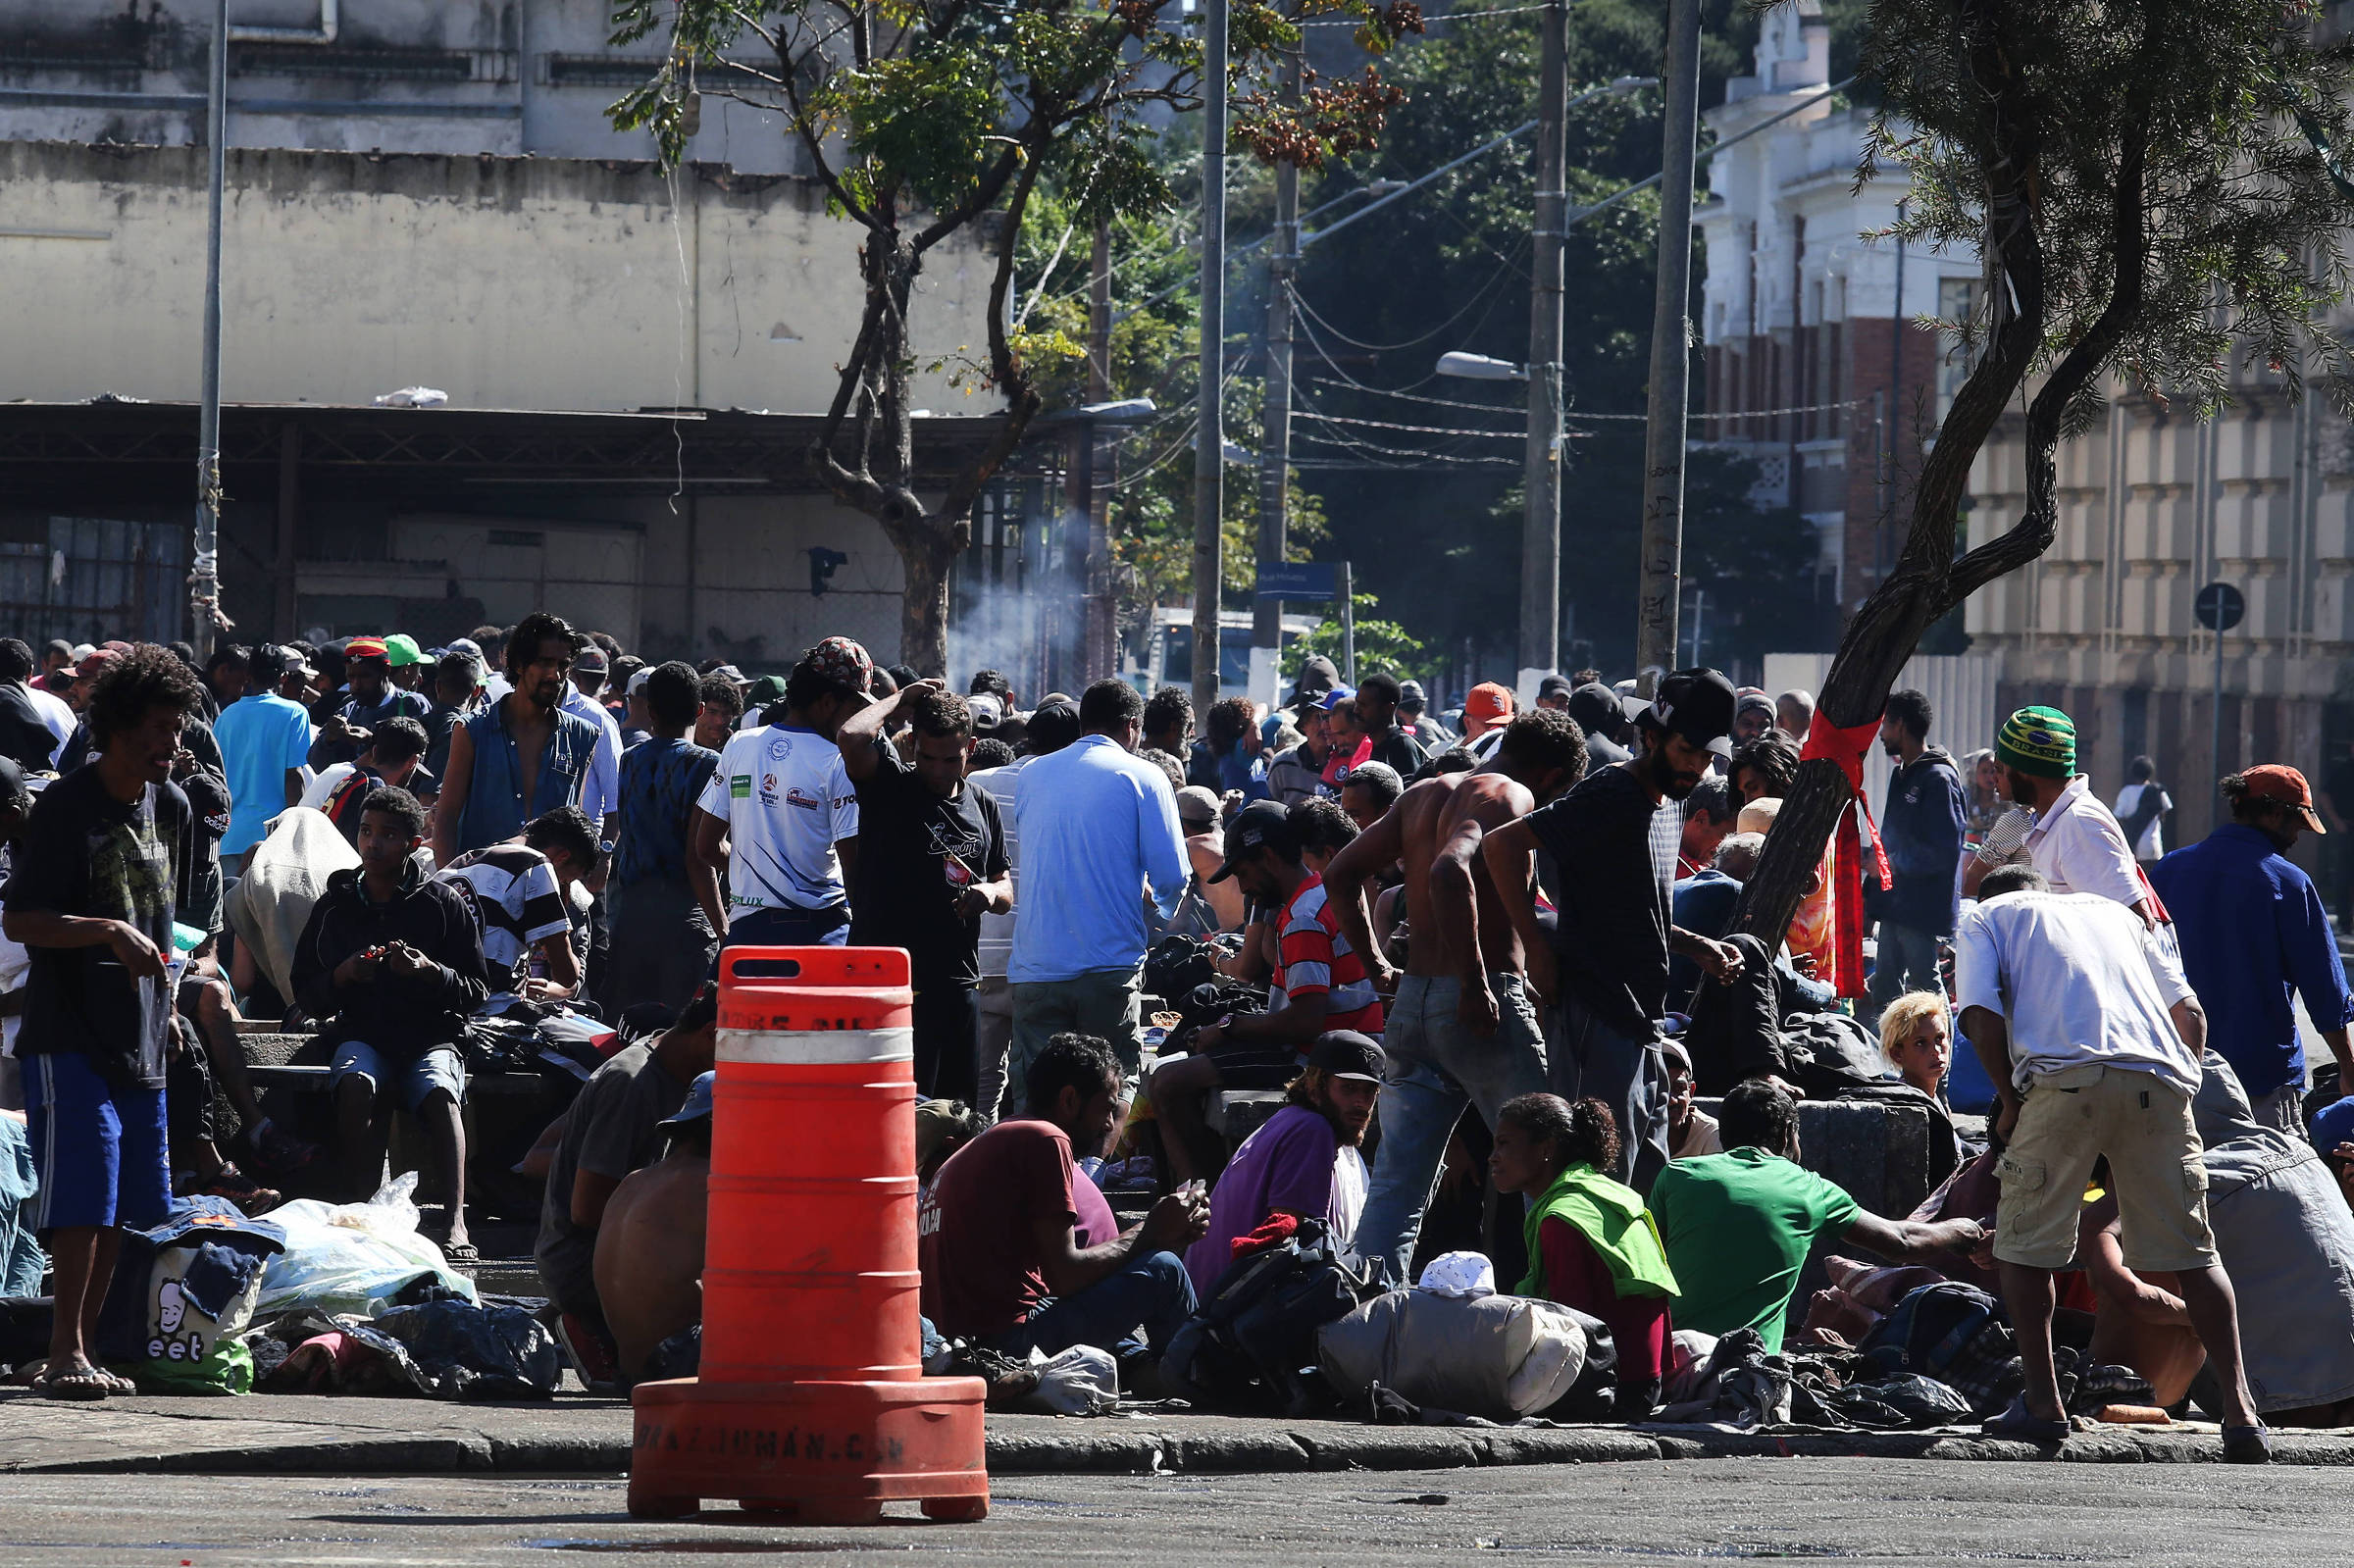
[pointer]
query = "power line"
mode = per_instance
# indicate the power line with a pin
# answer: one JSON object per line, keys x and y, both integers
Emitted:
{"x": 1419, "y": 430}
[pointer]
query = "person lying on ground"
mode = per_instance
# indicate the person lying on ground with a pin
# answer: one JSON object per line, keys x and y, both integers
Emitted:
{"x": 1592, "y": 1245}
{"x": 1002, "y": 1262}
{"x": 649, "y": 1262}
{"x": 394, "y": 959}
{"x": 1304, "y": 1161}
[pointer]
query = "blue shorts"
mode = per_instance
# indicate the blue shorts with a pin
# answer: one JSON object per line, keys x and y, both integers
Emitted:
{"x": 103, "y": 1154}
{"x": 438, "y": 1069}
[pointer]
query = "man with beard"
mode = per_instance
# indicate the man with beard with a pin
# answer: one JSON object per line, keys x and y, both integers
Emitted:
{"x": 1609, "y": 848}
{"x": 1463, "y": 1030}
{"x": 1921, "y": 829}
{"x": 522, "y": 756}
{"x": 1303, "y": 1162}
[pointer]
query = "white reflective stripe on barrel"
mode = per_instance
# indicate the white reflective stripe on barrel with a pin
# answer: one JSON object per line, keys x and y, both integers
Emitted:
{"x": 794, "y": 1046}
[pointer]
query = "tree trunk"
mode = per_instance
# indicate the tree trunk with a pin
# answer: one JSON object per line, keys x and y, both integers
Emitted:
{"x": 926, "y": 549}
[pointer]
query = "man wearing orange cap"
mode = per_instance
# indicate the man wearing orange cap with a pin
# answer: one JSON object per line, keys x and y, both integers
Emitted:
{"x": 2253, "y": 930}
{"x": 1486, "y": 711}
{"x": 368, "y": 667}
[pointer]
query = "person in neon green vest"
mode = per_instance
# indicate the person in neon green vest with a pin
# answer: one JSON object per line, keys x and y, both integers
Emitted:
{"x": 1592, "y": 1245}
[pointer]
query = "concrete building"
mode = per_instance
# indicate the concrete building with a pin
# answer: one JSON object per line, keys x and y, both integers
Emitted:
{"x": 427, "y": 195}
{"x": 1816, "y": 366}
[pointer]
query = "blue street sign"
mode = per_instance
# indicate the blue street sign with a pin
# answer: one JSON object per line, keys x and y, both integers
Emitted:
{"x": 2220, "y": 606}
{"x": 1307, "y": 581}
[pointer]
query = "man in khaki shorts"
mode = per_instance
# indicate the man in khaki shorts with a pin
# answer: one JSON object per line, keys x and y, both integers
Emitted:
{"x": 2092, "y": 1037}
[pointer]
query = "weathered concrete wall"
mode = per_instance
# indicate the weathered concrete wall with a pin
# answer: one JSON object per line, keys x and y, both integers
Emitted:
{"x": 509, "y": 282}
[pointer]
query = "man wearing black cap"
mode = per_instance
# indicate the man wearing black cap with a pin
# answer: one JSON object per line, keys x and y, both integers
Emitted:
{"x": 1599, "y": 713}
{"x": 1303, "y": 1162}
{"x": 1608, "y": 863}
{"x": 1319, "y": 983}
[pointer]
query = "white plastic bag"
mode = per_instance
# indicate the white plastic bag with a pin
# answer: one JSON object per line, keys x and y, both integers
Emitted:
{"x": 1082, "y": 1381}
{"x": 352, "y": 1257}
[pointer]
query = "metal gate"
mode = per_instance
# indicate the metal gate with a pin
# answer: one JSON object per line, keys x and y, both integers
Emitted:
{"x": 87, "y": 580}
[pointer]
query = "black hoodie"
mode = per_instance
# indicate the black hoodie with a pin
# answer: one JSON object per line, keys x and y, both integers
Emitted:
{"x": 403, "y": 1016}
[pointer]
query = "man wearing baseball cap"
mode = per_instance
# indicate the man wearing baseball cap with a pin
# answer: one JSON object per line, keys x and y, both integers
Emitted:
{"x": 1612, "y": 844}
{"x": 1303, "y": 1162}
{"x": 2253, "y": 935}
{"x": 407, "y": 660}
{"x": 368, "y": 671}
{"x": 1487, "y": 709}
{"x": 2076, "y": 844}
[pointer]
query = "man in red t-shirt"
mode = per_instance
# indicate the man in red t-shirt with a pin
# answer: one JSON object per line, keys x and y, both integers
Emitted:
{"x": 1319, "y": 984}
{"x": 997, "y": 1234}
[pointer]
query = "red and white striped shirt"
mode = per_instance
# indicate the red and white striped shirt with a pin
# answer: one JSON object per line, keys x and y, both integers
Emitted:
{"x": 1314, "y": 959}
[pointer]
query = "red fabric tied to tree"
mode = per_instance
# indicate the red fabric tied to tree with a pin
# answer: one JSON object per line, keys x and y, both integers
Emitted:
{"x": 1845, "y": 747}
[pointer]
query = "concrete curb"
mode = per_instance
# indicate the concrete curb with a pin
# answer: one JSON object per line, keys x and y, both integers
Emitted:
{"x": 1097, "y": 1450}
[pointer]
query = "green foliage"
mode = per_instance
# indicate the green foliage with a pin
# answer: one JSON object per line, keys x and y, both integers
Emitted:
{"x": 1380, "y": 645}
{"x": 2229, "y": 106}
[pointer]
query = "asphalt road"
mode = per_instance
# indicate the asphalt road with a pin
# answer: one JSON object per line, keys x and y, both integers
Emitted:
{"x": 1862, "y": 1510}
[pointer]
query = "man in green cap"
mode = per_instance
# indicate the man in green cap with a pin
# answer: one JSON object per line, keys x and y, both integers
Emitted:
{"x": 406, "y": 659}
{"x": 2076, "y": 844}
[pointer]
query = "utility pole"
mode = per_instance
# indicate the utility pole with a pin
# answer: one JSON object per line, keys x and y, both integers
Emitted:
{"x": 204, "y": 573}
{"x": 1102, "y": 644}
{"x": 1275, "y": 447}
{"x": 1541, "y": 527}
{"x": 1210, "y": 439}
{"x": 1670, "y": 356}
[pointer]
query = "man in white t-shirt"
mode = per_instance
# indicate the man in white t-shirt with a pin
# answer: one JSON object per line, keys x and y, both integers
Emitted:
{"x": 1055, "y": 726}
{"x": 780, "y": 816}
{"x": 2074, "y": 842}
{"x": 2092, "y": 1037}
{"x": 2144, "y": 798}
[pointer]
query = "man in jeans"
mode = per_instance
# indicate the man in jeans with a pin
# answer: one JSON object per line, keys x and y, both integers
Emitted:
{"x": 1609, "y": 848}
{"x": 1463, "y": 1030}
{"x": 1097, "y": 825}
{"x": 1008, "y": 1237}
{"x": 1921, "y": 831}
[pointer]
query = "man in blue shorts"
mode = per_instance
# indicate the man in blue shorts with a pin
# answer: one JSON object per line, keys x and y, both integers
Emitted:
{"x": 104, "y": 865}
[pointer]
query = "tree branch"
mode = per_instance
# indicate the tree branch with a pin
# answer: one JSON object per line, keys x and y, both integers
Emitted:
{"x": 803, "y": 127}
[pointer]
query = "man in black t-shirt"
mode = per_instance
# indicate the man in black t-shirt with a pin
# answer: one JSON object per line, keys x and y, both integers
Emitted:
{"x": 101, "y": 870}
{"x": 1377, "y": 702}
{"x": 931, "y": 860}
{"x": 1607, "y": 865}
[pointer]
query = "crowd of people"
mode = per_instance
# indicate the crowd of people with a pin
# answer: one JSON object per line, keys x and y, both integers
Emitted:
{"x": 1513, "y": 948}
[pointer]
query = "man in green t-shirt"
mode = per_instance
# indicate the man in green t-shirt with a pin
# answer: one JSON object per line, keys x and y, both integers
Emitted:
{"x": 1738, "y": 1225}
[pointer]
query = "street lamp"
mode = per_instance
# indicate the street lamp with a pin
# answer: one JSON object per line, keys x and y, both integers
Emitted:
{"x": 1480, "y": 368}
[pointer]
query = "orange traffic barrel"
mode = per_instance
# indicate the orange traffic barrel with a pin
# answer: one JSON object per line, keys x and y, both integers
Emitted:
{"x": 811, "y": 1399}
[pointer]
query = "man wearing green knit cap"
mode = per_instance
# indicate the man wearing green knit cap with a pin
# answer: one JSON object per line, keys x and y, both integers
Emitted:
{"x": 2075, "y": 842}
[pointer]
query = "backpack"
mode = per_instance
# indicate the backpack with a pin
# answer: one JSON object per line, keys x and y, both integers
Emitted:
{"x": 1176, "y": 965}
{"x": 1954, "y": 1332}
{"x": 1251, "y": 1346}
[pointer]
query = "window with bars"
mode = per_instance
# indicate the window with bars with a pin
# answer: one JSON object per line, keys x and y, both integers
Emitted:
{"x": 90, "y": 578}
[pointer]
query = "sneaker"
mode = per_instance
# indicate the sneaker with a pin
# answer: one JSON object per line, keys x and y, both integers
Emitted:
{"x": 243, "y": 1191}
{"x": 597, "y": 1361}
{"x": 279, "y": 1151}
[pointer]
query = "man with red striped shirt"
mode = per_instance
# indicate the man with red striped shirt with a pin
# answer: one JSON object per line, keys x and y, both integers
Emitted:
{"x": 1320, "y": 983}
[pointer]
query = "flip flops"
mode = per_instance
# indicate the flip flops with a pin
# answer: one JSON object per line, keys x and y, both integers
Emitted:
{"x": 2016, "y": 1422}
{"x": 81, "y": 1385}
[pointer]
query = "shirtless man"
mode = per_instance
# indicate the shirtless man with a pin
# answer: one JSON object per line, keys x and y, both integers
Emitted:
{"x": 649, "y": 1247}
{"x": 1463, "y": 1030}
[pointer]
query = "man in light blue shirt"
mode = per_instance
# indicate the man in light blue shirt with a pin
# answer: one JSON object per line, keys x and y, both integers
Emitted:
{"x": 264, "y": 738}
{"x": 1098, "y": 826}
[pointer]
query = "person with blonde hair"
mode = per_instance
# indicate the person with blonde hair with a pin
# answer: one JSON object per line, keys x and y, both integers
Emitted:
{"x": 1917, "y": 1033}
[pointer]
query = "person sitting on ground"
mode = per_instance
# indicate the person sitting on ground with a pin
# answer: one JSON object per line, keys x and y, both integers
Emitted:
{"x": 1917, "y": 1033}
{"x": 1319, "y": 984}
{"x": 535, "y": 936}
{"x": 1304, "y": 1161}
{"x": 1691, "y": 1131}
{"x": 649, "y": 1263}
{"x": 393, "y": 759}
{"x": 1592, "y": 1245}
{"x": 395, "y": 959}
{"x": 1738, "y": 1225}
{"x": 998, "y": 1232}
{"x": 615, "y": 1126}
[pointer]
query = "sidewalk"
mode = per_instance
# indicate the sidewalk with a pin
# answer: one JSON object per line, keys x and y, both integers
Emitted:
{"x": 274, "y": 1433}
